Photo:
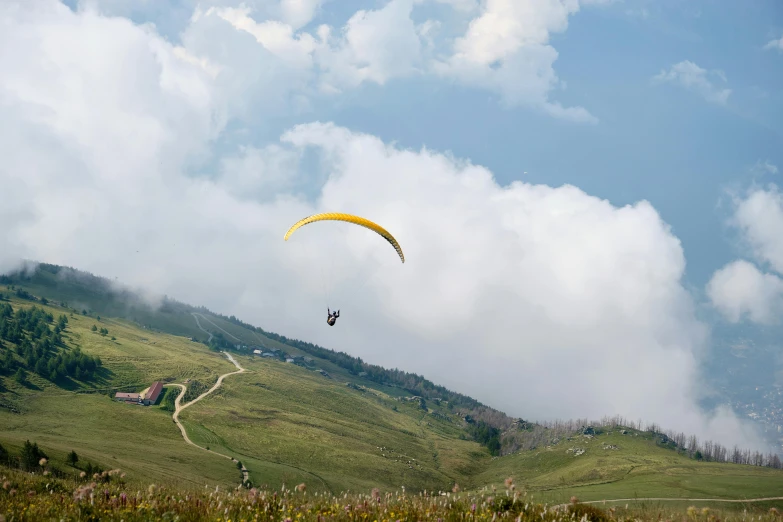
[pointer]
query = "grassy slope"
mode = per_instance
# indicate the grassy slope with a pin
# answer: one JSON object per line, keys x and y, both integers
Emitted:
{"x": 288, "y": 424}
{"x": 637, "y": 468}
{"x": 344, "y": 438}
{"x": 142, "y": 441}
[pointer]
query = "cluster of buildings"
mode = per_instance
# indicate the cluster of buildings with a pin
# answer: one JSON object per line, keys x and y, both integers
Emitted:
{"x": 766, "y": 408}
{"x": 276, "y": 353}
{"x": 142, "y": 399}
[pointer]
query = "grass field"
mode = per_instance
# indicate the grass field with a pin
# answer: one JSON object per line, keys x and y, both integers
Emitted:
{"x": 289, "y": 425}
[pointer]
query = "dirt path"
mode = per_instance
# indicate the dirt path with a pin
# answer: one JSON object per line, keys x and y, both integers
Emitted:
{"x": 196, "y": 316}
{"x": 178, "y": 407}
{"x": 736, "y": 501}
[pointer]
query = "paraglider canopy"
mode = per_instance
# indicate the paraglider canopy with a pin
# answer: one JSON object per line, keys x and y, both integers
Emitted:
{"x": 349, "y": 218}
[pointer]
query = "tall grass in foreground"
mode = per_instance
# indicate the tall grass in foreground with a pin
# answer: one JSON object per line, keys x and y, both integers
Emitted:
{"x": 34, "y": 497}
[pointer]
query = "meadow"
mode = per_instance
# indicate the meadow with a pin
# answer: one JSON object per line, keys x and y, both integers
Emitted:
{"x": 33, "y": 497}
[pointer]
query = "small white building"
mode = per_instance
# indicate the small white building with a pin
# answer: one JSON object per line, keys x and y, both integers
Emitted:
{"x": 257, "y": 352}
{"x": 289, "y": 360}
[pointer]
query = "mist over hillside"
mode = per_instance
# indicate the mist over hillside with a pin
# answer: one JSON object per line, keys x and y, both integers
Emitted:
{"x": 500, "y": 433}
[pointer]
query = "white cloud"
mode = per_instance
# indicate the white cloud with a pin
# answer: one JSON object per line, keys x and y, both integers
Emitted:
{"x": 692, "y": 77}
{"x": 739, "y": 289}
{"x": 299, "y": 13}
{"x": 505, "y": 49}
{"x": 376, "y": 46}
{"x": 775, "y": 44}
{"x": 759, "y": 217}
{"x": 525, "y": 296}
{"x": 276, "y": 37}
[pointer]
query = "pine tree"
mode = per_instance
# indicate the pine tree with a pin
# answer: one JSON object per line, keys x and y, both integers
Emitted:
{"x": 73, "y": 458}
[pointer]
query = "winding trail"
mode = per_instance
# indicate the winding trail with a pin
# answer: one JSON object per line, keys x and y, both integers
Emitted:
{"x": 178, "y": 407}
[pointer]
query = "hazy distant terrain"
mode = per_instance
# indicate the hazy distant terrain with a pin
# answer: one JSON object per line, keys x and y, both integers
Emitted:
{"x": 746, "y": 370}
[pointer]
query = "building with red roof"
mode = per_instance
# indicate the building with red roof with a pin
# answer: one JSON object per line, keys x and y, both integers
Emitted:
{"x": 151, "y": 397}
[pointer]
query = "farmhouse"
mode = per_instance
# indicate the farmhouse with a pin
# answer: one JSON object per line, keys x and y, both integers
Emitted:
{"x": 129, "y": 398}
{"x": 151, "y": 397}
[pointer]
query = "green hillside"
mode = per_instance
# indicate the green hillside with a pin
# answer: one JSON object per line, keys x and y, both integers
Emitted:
{"x": 326, "y": 419}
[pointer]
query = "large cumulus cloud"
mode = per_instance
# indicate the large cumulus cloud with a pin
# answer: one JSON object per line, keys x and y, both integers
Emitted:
{"x": 543, "y": 301}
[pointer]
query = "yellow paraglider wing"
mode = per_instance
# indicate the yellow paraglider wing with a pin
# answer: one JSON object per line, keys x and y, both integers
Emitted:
{"x": 336, "y": 216}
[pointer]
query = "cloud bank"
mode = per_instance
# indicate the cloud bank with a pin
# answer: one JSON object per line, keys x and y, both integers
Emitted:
{"x": 543, "y": 301}
{"x": 501, "y": 46}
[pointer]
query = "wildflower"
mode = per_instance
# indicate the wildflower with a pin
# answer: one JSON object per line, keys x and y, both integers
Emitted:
{"x": 692, "y": 511}
{"x": 774, "y": 512}
{"x": 509, "y": 482}
{"x": 455, "y": 489}
{"x": 82, "y": 474}
{"x": 6, "y": 485}
{"x": 151, "y": 489}
{"x": 42, "y": 462}
{"x": 705, "y": 510}
{"x": 82, "y": 492}
{"x": 301, "y": 487}
{"x": 574, "y": 500}
{"x": 46, "y": 473}
{"x": 376, "y": 494}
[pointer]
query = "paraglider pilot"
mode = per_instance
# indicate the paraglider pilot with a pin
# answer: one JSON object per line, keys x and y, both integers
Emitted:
{"x": 332, "y": 317}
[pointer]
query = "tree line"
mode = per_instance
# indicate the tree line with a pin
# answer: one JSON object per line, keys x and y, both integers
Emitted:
{"x": 33, "y": 458}
{"x": 39, "y": 346}
{"x": 689, "y": 445}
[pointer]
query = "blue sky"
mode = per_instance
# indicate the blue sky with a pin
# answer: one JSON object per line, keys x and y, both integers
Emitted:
{"x": 171, "y": 144}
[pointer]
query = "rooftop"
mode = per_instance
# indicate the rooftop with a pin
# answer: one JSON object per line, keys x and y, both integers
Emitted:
{"x": 154, "y": 391}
